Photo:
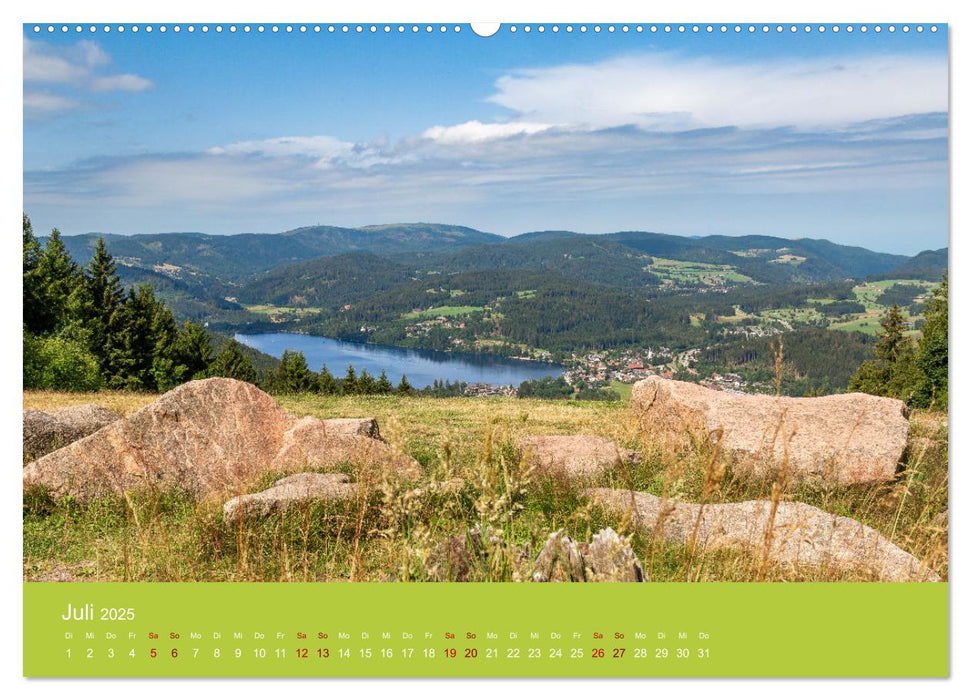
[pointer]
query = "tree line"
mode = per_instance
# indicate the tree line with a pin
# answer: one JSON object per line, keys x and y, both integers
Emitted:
{"x": 84, "y": 331}
{"x": 293, "y": 376}
{"x": 916, "y": 372}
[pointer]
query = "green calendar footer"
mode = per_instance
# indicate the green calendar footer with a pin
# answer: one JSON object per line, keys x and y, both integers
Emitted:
{"x": 447, "y": 630}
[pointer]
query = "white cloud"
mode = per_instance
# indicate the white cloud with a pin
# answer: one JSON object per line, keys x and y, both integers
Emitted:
{"x": 663, "y": 91}
{"x": 124, "y": 82}
{"x": 325, "y": 147}
{"x": 39, "y": 102}
{"x": 476, "y": 132}
{"x": 76, "y": 67}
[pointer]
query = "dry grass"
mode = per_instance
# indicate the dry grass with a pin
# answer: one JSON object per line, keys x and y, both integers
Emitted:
{"x": 397, "y": 530}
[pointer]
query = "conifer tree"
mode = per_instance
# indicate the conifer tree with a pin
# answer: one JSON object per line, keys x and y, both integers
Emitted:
{"x": 349, "y": 383}
{"x": 293, "y": 375}
{"x": 134, "y": 356}
{"x": 102, "y": 306}
{"x": 326, "y": 383}
{"x": 383, "y": 386}
{"x": 404, "y": 388}
{"x": 34, "y": 304}
{"x": 893, "y": 341}
{"x": 931, "y": 359}
{"x": 58, "y": 283}
{"x": 365, "y": 382}
{"x": 192, "y": 350}
{"x": 232, "y": 363}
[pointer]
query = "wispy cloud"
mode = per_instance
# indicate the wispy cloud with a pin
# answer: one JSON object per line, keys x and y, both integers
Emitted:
{"x": 633, "y": 142}
{"x": 665, "y": 91}
{"x": 549, "y": 165}
{"x": 41, "y": 102}
{"x": 65, "y": 71}
{"x": 475, "y": 131}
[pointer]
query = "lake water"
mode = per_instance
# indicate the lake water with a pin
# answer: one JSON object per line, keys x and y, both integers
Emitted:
{"x": 422, "y": 367}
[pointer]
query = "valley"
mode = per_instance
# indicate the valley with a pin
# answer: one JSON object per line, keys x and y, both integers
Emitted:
{"x": 707, "y": 306}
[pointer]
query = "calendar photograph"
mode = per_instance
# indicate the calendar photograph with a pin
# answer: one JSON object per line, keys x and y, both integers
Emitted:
{"x": 470, "y": 316}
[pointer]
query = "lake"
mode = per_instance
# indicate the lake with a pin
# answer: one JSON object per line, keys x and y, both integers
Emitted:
{"x": 422, "y": 367}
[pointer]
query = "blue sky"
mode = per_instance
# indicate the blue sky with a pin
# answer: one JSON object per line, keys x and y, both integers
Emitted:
{"x": 835, "y": 135}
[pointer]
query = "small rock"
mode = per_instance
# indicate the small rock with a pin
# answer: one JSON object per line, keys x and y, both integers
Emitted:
{"x": 559, "y": 560}
{"x": 583, "y": 456}
{"x": 288, "y": 492}
{"x": 610, "y": 558}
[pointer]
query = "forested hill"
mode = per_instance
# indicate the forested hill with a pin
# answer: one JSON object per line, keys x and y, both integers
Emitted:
{"x": 245, "y": 256}
{"x": 622, "y": 259}
{"x": 928, "y": 265}
{"x": 627, "y": 259}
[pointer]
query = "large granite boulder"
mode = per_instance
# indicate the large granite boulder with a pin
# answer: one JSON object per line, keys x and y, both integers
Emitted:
{"x": 46, "y": 431}
{"x": 211, "y": 436}
{"x": 573, "y": 455}
{"x": 844, "y": 438}
{"x": 291, "y": 491}
{"x": 798, "y": 535}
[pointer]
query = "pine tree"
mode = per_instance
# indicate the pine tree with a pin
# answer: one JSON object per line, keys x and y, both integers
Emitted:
{"x": 293, "y": 375}
{"x": 59, "y": 285}
{"x": 365, "y": 382}
{"x": 192, "y": 351}
{"x": 326, "y": 383}
{"x": 135, "y": 354}
{"x": 166, "y": 370}
{"x": 931, "y": 359}
{"x": 404, "y": 388}
{"x": 34, "y": 304}
{"x": 102, "y": 306}
{"x": 383, "y": 386}
{"x": 230, "y": 362}
{"x": 349, "y": 383}
{"x": 893, "y": 341}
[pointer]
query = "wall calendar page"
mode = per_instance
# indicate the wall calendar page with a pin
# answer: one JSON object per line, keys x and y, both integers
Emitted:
{"x": 444, "y": 350}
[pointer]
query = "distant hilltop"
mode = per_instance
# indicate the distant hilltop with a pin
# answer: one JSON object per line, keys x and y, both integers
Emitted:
{"x": 243, "y": 257}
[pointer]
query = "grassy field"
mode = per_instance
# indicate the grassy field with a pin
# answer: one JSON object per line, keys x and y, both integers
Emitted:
{"x": 685, "y": 272}
{"x": 443, "y": 311}
{"x": 868, "y": 293}
{"x": 270, "y": 310}
{"x": 396, "y": 530}
{"x": 623, "y": 389}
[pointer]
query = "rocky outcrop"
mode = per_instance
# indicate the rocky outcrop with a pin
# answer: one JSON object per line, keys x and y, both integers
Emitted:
{"x": 798, "y": 535}
{"x": 845, "y": 438}
{"x": 291, "y": 491}
{"x": 573, "y": 455}
{"x": 608, "y": 557}
{"x": 211, "y": 436}
{"x": 46, "y": 431}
